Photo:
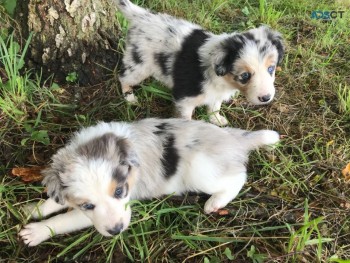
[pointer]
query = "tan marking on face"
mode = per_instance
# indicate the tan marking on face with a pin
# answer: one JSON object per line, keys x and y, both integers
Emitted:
{"x": 132, "y": 177}
{"x": 270, "y": 60}
{"x": 240, "y": 67}
{"x": 112, "y": 186}
{"x": 77, "y": 201}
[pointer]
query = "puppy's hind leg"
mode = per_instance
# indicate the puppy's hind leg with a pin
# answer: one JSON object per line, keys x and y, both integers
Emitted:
{"x": 230, "y": 187}
{"x": 132, "y": 74}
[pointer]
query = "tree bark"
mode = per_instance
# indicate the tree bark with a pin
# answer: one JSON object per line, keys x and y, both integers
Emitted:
{"x": 78, "y": 36}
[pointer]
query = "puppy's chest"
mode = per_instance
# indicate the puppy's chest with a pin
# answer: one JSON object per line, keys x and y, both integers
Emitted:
{"x": 217, "y": 89}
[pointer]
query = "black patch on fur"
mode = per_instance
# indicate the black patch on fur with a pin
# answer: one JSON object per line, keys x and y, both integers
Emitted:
{"x": 170, "y": 158}
{"x": 247, "y": 133}
{"x": 263, "y": 49}
{"x": 192, "y": 144}
{"x": 277, "y": 41}
{"x": 162, "y": 128}
{"x": 97, "y": 147}
{"x": 100, "y": 148}
{"x": 127, "y": 154}
{"x": 162, "y": 60}
{"x": 122, "y": 70}
{"x": 122, "y": 3}
{"x": 188, "y": 73}
{"x": 231, "y": 48}
{"x": 171, "y": 30}
{"x": 136, "y": 56}
{"x": 119, "y": 174}
{"x": 250, "y": 36}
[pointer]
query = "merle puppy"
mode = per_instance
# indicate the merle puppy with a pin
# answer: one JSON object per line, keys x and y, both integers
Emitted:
{"x": 105, "y": 166}
{"x": 200, "y": 67}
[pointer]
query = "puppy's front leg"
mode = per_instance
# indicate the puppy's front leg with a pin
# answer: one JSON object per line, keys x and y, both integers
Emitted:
{"x": 215, "y": 117}
{"x": 128, "y": 94}
{"x": 35, "y": 233}
{"x": 185, "y": 108}
{"x": 44, "y": 209}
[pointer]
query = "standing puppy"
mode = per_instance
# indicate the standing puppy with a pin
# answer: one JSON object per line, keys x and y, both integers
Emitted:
{"x": 105, "y": 166}
{"x": 200, "y": 67}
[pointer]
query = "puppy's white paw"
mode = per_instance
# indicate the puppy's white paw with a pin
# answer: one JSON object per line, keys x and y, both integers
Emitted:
{"x": 131, "y": 98}
{"x": 35, "y": 233}
{"x": 213, "y": 204}
{"x": 271, "y": 137}
{"x": 218, "y": 120}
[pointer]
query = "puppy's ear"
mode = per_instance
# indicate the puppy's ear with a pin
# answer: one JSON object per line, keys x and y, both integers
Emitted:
{"x": 276, "y": 40}
{"x": 226, "y": 53}
{"x": 128, "y": 155}
{"x": 53, "y": 182}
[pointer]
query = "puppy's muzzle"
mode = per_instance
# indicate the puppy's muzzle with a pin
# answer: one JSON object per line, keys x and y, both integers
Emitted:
{"x": 116, "y": 229}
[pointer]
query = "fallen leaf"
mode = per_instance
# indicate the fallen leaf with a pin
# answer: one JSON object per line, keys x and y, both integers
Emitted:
{"x": 223, "y": 212}
{"x": 346, "y": 172}
{"x": 28, "y": 175}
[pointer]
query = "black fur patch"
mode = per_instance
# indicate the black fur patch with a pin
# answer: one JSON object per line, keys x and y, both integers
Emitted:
{"x": 162, "y": 60}
{"x": 136, "y": 56}
{"x": 97, "y": 147}
{"x": 120, "y": 174}
{"x": 188, "y": 74}
{"x": 251, "y": 37}
{"x": 162, "y": 128}
{"x": 122, "y": 3}
{"x": 170, "y": 158}
{"x": 171, "y": 30}
{"x": 193, "y": 144}
{"x": 124, "y": 69}
{"x": 277, "y": 41}
{"x": 263, "y": 49}
{"x": 231, "y": 48}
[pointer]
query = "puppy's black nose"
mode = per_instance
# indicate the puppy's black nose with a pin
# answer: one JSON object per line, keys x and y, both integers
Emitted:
{"x": 265, "y": 98}
{"x": 116, "y": 229}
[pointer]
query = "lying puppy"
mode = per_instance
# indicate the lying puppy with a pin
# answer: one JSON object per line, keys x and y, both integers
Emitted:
{"x": 105, "y": 166}
{"x": 200, "y": 67}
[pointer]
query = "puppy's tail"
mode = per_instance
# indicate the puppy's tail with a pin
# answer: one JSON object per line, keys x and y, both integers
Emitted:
{"x": 257, "y": 139}
{"x": 130, "y": 10}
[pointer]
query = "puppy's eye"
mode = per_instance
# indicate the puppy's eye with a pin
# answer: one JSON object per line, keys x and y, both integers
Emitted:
{"x": 271, "y": 69}
{"x": 87, "y": 206}
{"x": 244, "y": 77}
{"x": 118, "y": 192}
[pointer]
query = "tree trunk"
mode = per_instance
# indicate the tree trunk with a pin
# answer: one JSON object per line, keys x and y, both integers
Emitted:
{"x": 70, "y": 36}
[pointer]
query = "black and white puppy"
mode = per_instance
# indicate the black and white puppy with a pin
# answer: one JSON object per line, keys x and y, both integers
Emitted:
{"x": 201, "y": 68}
{"x": 105, "y": 166}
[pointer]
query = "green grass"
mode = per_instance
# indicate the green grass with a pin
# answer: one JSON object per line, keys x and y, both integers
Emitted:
{"x": 295, "y": 205}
